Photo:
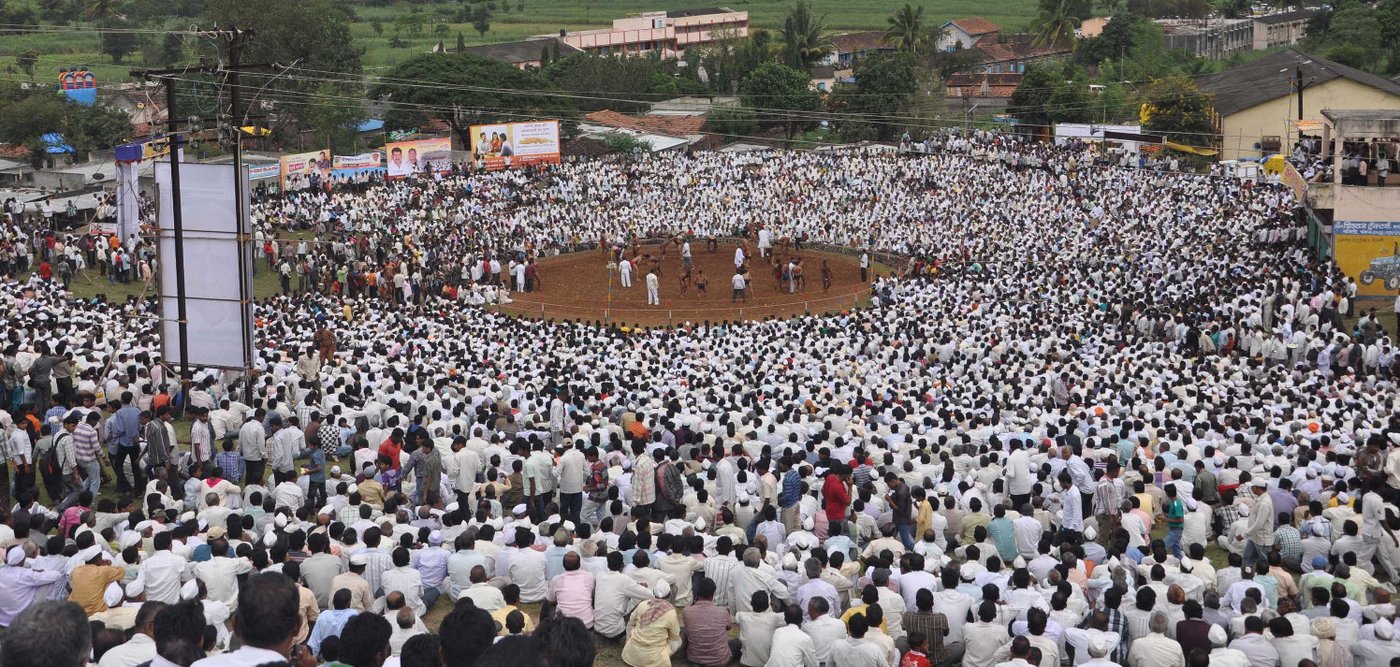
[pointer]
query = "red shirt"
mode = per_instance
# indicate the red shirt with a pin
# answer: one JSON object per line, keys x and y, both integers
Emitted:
{"x": 913, "y": 659}
{"x": 391, "y": 450}
{"x": 835, "y": 498}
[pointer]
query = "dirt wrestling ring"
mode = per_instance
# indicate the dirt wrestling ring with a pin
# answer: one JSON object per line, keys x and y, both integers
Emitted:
{"x": 578, "y": 286}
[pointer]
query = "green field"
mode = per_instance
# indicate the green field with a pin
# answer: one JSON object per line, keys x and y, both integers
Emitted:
{"x": 539, "y": 17}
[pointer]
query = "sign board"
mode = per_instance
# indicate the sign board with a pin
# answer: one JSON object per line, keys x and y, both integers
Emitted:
{"x": 419, "y": 157}
{"x": 219, "y": 321}
{"x": 515, "y": 144}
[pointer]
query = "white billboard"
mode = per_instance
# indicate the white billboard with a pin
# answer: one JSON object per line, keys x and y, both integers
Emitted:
{"x": 219, "y": 321}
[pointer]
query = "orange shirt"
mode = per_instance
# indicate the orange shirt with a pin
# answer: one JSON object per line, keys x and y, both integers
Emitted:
{"x": 89, "y": 582}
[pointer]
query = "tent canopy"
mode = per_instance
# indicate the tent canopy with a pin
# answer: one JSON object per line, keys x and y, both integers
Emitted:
{"x": 54, "y": 144}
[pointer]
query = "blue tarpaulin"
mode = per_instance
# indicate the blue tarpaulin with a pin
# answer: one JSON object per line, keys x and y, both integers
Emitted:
{"x": 371, "y": 125}
{"x": 54, "y": 143}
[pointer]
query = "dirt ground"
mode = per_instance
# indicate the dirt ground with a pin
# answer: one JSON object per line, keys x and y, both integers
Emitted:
{"x": 575, "y": 287}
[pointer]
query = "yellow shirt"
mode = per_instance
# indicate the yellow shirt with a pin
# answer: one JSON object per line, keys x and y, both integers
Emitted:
{"x": 650, "y": 645}
{"x": 860, "y": 609}
{"x": 500, "y": 617}
{"x": 89, "y": 582}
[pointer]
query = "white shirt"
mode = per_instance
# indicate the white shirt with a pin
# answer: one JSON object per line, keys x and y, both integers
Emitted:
{"x": 792, "y": 647}
{"x": 135, "y": 651}
{"x": 825, "y": 633}
{"x": 164, "y": 573}
{"x": 408, "y": 581}
{"x": 573, "y": 471}
{"x": 756, "y": 629}
{"x": 856, "y": 653}
{"x": 527, "y": 569}
{"x": 220, "y": 577}
{"x": 247, "y": 656}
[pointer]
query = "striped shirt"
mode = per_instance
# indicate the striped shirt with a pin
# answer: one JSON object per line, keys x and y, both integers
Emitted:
{"x": 87, "y": 444}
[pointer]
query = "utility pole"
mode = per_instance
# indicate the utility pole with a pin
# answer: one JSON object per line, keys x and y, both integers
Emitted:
{"x": 234, "y": 40}
{"x": 172, "y": 127}
{"x": 1298, "y": 82}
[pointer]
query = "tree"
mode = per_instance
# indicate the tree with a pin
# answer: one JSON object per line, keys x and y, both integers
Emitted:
{"x": 885, "y": 86}
{"x": 733, "y": 122}
{"x": 331, "y": 118}
{"x": 462, "y": 90}
{"x": 609, "y": 78}
{"x": 804, "y": 37}
{"x": 782, "y": 95}
{"x": 481, "y": 19}
{"x": 907, "y": 30}
{"x": 461, "y": 43}
{"x": 1234, "y": 9}
{"x": 1355, "y": 26}
{"x": 118, "y": 45}
{"x": 1051, "y": 91}
{"x": 309, "y": 35}
{"x": 1055, "y": 26}
{"x": 1178, "y": 109}
{"x": 948, "y": 63}
{"x": 27, "y": 61}
{"x": 101, "y": 10}
{"x": 377, "y": 26}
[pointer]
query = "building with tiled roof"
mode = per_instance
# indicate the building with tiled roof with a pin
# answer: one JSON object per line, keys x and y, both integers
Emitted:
{"x": 852, "y": 46}
{"x": 967, "y": 32}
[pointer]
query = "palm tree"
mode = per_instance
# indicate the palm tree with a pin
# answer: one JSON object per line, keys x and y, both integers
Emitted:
{"x": 804, "y": 37}
{"x": 100, "y": 10}
{"x": 907, "y": 30}
{"x": 1056, "y": 27}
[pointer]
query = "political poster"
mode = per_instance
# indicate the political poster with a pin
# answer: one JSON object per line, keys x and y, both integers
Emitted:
{"x": 372, "y": 159}
{"x": 298, "y": 168}
{"x": 1370, "y": 253}
{"x": 419, "y": 157}
{"x": 515, "y": 144}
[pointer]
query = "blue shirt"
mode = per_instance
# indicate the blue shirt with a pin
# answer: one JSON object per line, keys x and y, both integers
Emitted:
{"x": 128, "y": 424}
{"x": 792, "y": 488}
{"x": 329, "y": 624}
{"x": 317, "y": 460}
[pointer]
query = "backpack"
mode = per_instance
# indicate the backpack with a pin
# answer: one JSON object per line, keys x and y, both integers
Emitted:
{"x": 49, "y": 464}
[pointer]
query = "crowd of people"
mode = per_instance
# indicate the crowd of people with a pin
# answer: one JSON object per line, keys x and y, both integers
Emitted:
{"x": 1100, "y": 416}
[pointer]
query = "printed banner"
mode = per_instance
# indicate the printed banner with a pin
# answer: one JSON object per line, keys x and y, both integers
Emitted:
{"x": 1370, "y": 253}
{"x": 258, "y": 172}
{"x": 419, "y": 157}
{"x": 298, "y": 168}
{"x": 358, "y": 161}
{"x": 515, "y": 144}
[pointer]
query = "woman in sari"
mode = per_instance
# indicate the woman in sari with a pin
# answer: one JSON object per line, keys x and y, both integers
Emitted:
{"x": 653, "y": 632}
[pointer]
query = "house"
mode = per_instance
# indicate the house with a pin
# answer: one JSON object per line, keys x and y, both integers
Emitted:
{"x": 692, "y": 106}
{"x": 1015, "y": 55}
{"x": 663, "y": 132}
{"x": 1281, "y": 29}
{"x": 967, "y": 32}
{"x": 1091, "y": 27}
{"x": 1256, "y": 103}
{"x": 979, "y": 94}
{"x": 143, "y": 104}
{"x": 823, "y": 78}
{"x": 1214, "y": 38}
{"x": 1361, "y": 228}
{"x": 667, "y": 33}
{"x": 852, "y": 46}
{"x": 524, "y": 53}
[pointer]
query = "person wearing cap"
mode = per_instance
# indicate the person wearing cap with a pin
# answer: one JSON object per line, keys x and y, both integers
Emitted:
{"x": 653, "y": 631}
{"x": 20, "y": 585}
{"x": 1259, "y": 532}
{"x": 88, "y": 581}
{"x": 1379, "y": 651}
{"x": 361, "y": 595}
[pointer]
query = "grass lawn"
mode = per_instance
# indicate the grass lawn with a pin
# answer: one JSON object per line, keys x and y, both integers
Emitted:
{"x": 521, "y": 19}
